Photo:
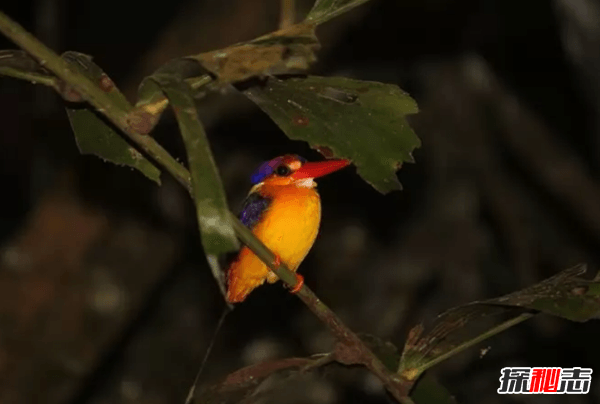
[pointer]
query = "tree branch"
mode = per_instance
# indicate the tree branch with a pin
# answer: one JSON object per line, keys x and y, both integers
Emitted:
{"x": 350, "y": 349}
{"x": 121, "y": 117}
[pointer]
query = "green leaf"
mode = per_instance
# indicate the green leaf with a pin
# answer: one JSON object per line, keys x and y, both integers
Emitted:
{"x": 564, "y": 295}
{"x": 385, "y": 351}
{"x": 325, "y": 10}
{"x": 94, "y": 135}
{"x": 426, "y": 391}
{"x": 359, "y": 120}
{"x": 214, "y": 221}
{"x": 429, "y": 391}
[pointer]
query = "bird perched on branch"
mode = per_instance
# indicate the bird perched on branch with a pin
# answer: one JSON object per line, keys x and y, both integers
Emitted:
{"x": 283, "y": 210}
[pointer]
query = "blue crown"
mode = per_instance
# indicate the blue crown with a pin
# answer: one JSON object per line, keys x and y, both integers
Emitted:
{"x": 268, "y": 167}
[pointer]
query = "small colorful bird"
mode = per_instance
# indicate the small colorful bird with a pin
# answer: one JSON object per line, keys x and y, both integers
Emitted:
{"x": 283, "y": 210}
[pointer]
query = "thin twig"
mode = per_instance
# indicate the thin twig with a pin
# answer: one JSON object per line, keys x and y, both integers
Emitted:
{"x": 287, "y": 14}
{"x": 356, "y": 350}
{"x": 33, "y": 77}
{"x": 190, "y": 396}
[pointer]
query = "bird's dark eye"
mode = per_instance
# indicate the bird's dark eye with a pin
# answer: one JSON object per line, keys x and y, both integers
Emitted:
{"x": 283, "y": 171}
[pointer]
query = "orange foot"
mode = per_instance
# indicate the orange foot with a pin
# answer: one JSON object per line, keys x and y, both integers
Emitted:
{"x": 299, "y": 284}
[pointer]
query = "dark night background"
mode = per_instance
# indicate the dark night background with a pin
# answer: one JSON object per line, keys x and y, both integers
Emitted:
{"x": 105, "y": 295}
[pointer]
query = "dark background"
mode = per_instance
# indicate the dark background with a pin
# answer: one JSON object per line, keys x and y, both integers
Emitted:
{"x": 105, "y": 295}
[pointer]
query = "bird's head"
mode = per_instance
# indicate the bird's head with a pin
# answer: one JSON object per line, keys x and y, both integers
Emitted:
{"x": 292, "y": 169}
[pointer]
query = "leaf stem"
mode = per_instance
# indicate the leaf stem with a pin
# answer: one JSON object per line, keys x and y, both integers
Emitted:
{"x": 33, "y": 77}
{"x": 490, "y": 333}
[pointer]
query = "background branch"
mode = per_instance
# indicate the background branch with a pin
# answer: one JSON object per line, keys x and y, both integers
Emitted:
{"x": 288, "y": 13}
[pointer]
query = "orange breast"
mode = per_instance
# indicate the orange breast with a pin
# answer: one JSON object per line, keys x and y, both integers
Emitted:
{"x": 289, "y": 228}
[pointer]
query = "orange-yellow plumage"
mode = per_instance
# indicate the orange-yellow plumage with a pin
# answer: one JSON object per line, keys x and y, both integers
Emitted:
{"x": 283, "y": 210}
{"x": 289, "y": 228}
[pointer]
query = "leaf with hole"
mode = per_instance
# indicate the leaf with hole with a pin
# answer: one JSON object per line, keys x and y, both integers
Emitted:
{"x": 563, "y": 295}
{"x": 359, "y": 120}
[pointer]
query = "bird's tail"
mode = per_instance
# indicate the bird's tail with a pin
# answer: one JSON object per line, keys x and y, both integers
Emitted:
{"x": 245, "y": 274}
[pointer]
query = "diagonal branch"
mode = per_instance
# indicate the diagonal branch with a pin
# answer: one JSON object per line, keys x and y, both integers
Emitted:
{"x": 350, "y": 347}
{"x": 123, "y": 118}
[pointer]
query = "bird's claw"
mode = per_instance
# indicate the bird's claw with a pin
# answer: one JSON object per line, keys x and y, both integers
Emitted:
{"x": 299, "y": 284}
{"x": 299, "y": 278}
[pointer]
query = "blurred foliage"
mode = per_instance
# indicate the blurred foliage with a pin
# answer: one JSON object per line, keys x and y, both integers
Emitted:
{"x": 363, "y": 121}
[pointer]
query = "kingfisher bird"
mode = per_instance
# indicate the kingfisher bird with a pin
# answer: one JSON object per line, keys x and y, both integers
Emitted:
{"x": 283, "y": 210}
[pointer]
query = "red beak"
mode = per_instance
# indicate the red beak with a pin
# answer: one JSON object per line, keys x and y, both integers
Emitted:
{"x": 319, "y": 169}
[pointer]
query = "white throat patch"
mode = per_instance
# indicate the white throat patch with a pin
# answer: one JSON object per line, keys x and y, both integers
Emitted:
{"x": 306, "y": 183}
